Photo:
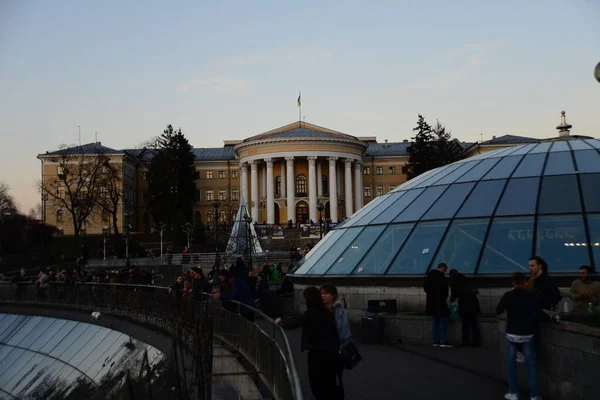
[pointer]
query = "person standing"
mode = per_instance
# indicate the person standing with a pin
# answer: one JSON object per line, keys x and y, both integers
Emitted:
{"x": 320, "y": 339}
{"x": 523, "y": 315}
{"x": 436, "y": 306}
{"x": 584, "y": 290}
{"x": 546, "y": 292}
{"x": 468, "y": 308}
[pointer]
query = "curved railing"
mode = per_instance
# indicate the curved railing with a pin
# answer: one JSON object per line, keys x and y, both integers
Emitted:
{"x": 243, "y": 329}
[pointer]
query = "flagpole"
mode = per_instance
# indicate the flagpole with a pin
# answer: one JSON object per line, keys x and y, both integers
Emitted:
{"x": 300, "y": 109}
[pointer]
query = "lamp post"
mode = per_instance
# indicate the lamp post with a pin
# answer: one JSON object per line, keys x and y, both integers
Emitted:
{"x": 216, "y": 204}
{"x": 105, "y": 236}
{"x": 320, "y": 208}
{"x": 127, "y": 229}
{"x": 248, "y": 240}
{"x": 161, "y": 229}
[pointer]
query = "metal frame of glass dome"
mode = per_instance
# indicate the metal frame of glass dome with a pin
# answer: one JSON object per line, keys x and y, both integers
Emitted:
{"x": 536, "y": 186}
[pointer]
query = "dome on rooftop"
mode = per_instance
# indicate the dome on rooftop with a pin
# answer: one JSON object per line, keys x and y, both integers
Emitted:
{"x": 483, "y": 215}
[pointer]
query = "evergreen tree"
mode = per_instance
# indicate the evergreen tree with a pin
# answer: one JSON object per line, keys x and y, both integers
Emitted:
{"x": 172, "y": 179}
{"x": 422, "y": 151}
{"x": 447, "y": 150}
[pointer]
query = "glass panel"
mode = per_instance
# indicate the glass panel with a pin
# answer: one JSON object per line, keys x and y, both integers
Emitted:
{"x": 519, "y": 197}
{"x": 524, "y": 149}
{"x": 591, "y": 194}
{"x": 382, "y": 253}
{"x": 103, "y": 365}
{"x": 13, "y": 326}
{"x": 559, "y": 163}
{"x": 322, "y": 246}
{"x": 448, "y": 203}
{"x": 7, "y": 363}
{"x": 7, "y": 322}
{"x": 504, "y": 168}
{"x": 80, "y": 344}
{"x": 415, "y": 256}
{"x": 587, "y": 161}
{"x": 463, "y": 169}
{"x": 42, "y": 367}
{"x": 531, "y": 165}
{"x": 579, "y": 145}
{"x": 425, "y": 175}
{"x": 90, "y": 346}
{"x": 43, "y": 328}
{"x": 479, "y": 170}
{"x": 16, "y": 369}
{"x": 559, "y": 146}
{"x": 562, "y": 243}
{"x": 395, "y": 209}
{"x": 541, "y": 148}
{"x": 360, "y": 213}
{"x": 508, "y": 246}
{"x": 367, "y": 218}
{"x": 332, "y": 254}
{"x": 594, "y": 228}
{"x": 355, "y": 252}
{"x": 49, "y": 335}
{"x": 58, "y": 337}
{"x": 96, "y": 355}
{"x": 461, "y": 246}
{"x": 483, "y": 199}
{"x": 24, "y": 330}
{"x": 559, "y": 194}
{"x": 441, "y": 175}
{"x": 421, "y": 204}
{"x": 593, "y": 142}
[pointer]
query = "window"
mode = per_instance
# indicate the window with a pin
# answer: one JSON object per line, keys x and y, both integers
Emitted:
{"x": 367, "y": 171}
{"x": 222, "y": 195}
{"x": 278, "y": 186}
{"x": 379, "y": 190}
{"x": 60, "y": 216}
{"x": 145, "y": 176}
{"x": 235, "y": 194}
{"x": 210, "y": 217}
{"x": 483, "y": 199}
{"x": 379, "y": 170}
{"x": 221, "y": 174}
{"x": 392, "y": 170}
{"x": 508, "y": 246}
{"x": 405, "y": 169}
{"x": 447, "y": 205}
{"x": 209, "y": 174}
{"x": 145, "y": 196}
{"x": 418, "y": 207}
{"x": 300, "y": 185}
{"x": 60, "y": 192}
{"x": 209, "y": 195}
{"x": 367, "y": 191}
{"x": 462, "y": 244}
{"x": 383, "y": 252}
{"x": 223, "y": 217}
{"x": 561, "y": 240}
{"x": 335, "y": 250}
{"x": 559, "y": 195}
{"x": 392, "y": 187}
{"x": 234, "y": 215}
{"x": 519, "y": 197}
{"x": 105, "y": 216}
{"x": 234, "y": 174}
{"x": 355, "y": 252}
{"x": 401, "y": 201}
{"x": 60, "y": 171}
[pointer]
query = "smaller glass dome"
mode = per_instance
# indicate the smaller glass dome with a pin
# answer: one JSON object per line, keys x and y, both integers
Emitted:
{"x": 483, "y": 215}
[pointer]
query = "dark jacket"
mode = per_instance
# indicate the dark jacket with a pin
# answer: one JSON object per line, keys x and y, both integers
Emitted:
{"x": 318, "y": 334}
{"x": 200, "y": 286}
{"x": 546, "y": 292}
{"x": 436, "y": 288}
{"x": 240, "y": 291}
{"x": 467, "y": 296}
{"x": 522, "y": 311}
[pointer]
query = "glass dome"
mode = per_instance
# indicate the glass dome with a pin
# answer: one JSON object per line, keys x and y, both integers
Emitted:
{"x": 483, "y": 215}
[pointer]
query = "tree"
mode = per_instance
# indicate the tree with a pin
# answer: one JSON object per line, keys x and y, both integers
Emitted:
{"x": 7, "y": 202}
{"x": 447, "y": 150}
{"x": 36, "y": 212}
{"x": 110, "y": 192}
{"x": 188, "y": 230}
{"x": 172, "y": 179}
{"x": 422, "y": 151}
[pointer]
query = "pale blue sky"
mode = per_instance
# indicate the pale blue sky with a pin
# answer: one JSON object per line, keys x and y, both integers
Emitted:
{"x": 228, "y": 70}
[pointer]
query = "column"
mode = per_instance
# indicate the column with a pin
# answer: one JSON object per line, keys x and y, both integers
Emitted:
{"x": 319, "y": 179}
{"x": 270, "y": 192}
{"x": 254, "y": 190}
{"x": 244, "y": 183}
{"x": 312, "y": 189}
{"x": 333, "y": 209}
{"x": 291, "y": 205}
{"x": 358, "y": 185}
{"x": 348, "y": 187}
{"x": 282, "y": 175}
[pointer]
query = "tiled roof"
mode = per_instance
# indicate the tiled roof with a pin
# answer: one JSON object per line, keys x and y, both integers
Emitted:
{"x": 511, "y": 139}
{"x": 304, "y": 131}
{"x": 214, "y": 154}
{"x": 89, "y": 148}
{"x": 387, "y": 149}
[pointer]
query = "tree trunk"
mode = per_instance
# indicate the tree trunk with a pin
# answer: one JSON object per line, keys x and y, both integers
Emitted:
{"x": 115, "y": 224}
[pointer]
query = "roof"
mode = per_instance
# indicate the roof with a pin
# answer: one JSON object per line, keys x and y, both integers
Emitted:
{"x": 387, "y": 149}
{"x": 300, "y": 130}
{"x": 89, "y": 148}
{"x": 510, "y": 139}
{"x": 214, "y": 153}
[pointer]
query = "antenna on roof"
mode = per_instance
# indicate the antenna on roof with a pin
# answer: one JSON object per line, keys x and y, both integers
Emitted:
{"x": 79, "y": 126}
{"x": 96, "y": 137}
{"x": 481, "y": 134}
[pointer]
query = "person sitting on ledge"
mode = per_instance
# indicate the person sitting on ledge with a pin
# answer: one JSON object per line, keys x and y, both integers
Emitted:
{"x": 584, "y": 290}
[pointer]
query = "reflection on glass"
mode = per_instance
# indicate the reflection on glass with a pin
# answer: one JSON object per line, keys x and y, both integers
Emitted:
{"x": 317, "y": 252}
{"x": 355, "y": 252}
{"x": 434, "y": 178}
{"x": 67, "y": 340}
{"x": 360, "y": 213}
{"x": 90, "y": 347}
{"x": 482, "y": 200}
{"x": 9, "y": 321}
{"x": 461, "y": 246}
{"x": 382, "y": 253}
{"x": 587, "y": 161}
{"x": 531, "y": 165}
{"x": 418, "y": 250}
{"x": 333, "y": 252}
{"x": 504, "y": 168}
{"x": 559, "y": 163}
{"x": 79, "y": 345}
{"x": 96, "y": 355}
{"x": 594, "y": 228}
{"x": 524, "y": 149}
{"x": 559, "y": 146}
{"x": 541, "y": 148}
{"x": 384, "y": 205}
{"x": 49, "y": 334}
{"x": 448, "y": 203}
{"x": 559, "y": 194}
{"x": 13, "y": 355}
{"x": 63, "y": 331}
{"x": 395, "y": 209}
{"x": 508, "y": 246}
{"x": 579, "y": 145}
{"x": 591, "y": 194}
{"x": 421, "y": 204}
{"x": 562, "y": 243}
{"x": 479, "y": 170}
{"x": 459, "y": 172}
{"x": 519, "y": 197}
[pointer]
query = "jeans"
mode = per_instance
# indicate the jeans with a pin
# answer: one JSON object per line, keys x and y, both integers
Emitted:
{"x": 439, "y": 330}
{"x": 470, "y": 329}
{"x": 511, "y": 353}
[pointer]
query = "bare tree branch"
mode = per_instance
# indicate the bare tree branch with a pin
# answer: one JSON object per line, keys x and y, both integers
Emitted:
{"x": 7, "y": 202}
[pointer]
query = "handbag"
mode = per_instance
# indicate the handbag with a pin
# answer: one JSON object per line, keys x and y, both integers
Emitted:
{"x": 349, "y": 355}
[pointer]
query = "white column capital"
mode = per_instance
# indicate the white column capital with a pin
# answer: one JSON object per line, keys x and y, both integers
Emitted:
{"x": 311, "y": 160}
{"x": 348, "y": 161}
{"x": 253, "y": 164}
{"x": 269, "y": 162}
{"x": 289, "y": 158}
{"x": 332, "y": 160}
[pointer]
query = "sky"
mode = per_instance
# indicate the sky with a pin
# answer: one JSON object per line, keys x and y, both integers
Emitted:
{"x": 225, "y": 70}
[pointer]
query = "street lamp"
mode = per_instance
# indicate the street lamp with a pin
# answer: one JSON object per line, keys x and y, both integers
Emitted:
{"x": 320, "y": 207}
{"x": 105, "y": 236}
{"x": 248, "y": 240}
{"x": 127, "y": 229}
{"x": 216, "y": 204}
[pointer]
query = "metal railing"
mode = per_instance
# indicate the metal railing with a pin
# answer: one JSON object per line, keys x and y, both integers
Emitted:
{"x": 193, "y": 323}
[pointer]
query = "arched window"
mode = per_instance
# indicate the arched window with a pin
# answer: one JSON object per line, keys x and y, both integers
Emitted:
{"x": 210, "y": 217}
{"x": 60, "y": 216}
{"x": 222, "y": 217}
{"x": 301, "y": 186}
{"x": 278, "y": 186}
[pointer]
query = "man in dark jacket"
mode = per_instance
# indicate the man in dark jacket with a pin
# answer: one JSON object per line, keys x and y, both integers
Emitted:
{"x": 523, "y": 315}
{"x": 240, "y": 292}
{"x": 436, "y": 306}
{"x": 199, "y": 284}
{"x": 468, "y": 308}
{"x": 546, "y": 292}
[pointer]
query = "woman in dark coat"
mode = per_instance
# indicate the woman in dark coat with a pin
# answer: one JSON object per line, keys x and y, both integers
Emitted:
{"x": 320, "y": 340}
{"x": 436, "y": 288}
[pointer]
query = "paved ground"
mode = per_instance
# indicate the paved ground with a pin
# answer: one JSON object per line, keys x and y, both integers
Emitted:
{"x": 413, "y": 373}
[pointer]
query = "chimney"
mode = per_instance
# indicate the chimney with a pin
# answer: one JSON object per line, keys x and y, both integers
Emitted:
{"x": 386, "y": 144}
{"x": 564, "y": 129}
{"x": 405, "y": 141}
